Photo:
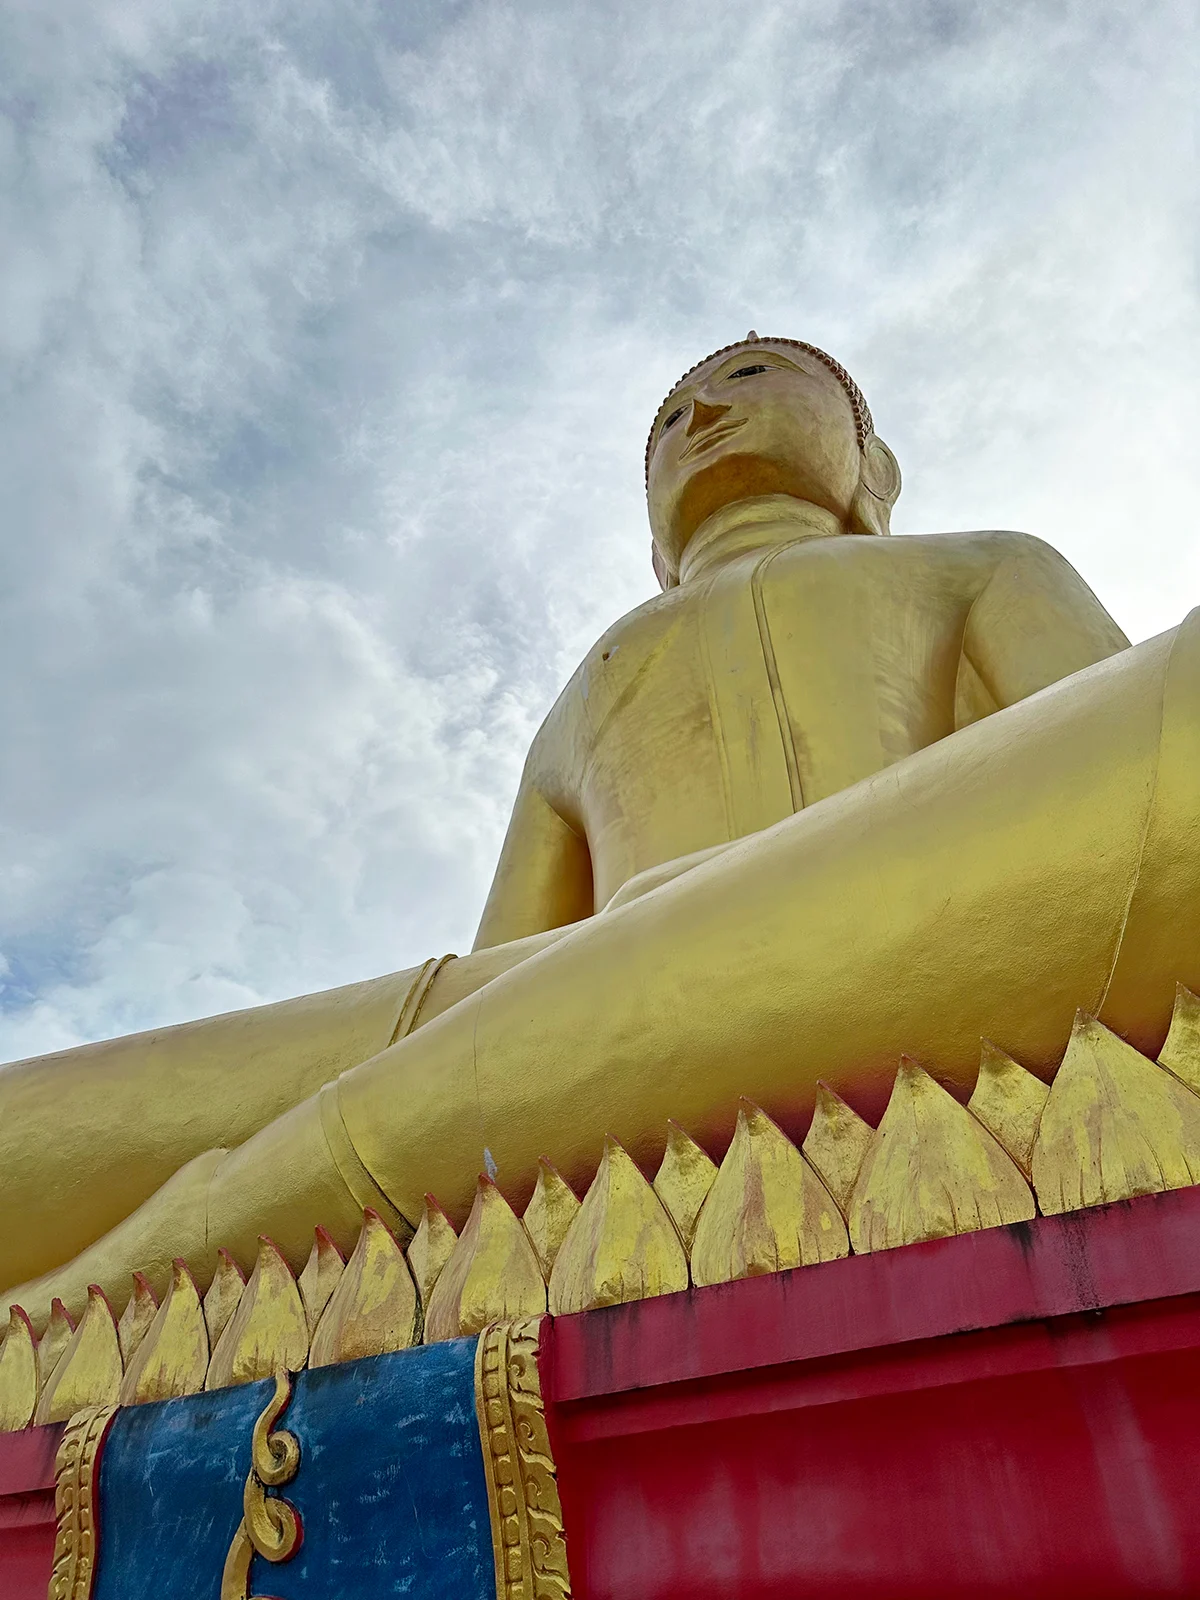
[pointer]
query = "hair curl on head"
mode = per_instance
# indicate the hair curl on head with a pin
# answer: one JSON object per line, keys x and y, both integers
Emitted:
{"x": 863, "y": 425}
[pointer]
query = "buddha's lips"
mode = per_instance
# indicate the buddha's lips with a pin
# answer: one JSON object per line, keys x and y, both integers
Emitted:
{"x": 713, "y": 436}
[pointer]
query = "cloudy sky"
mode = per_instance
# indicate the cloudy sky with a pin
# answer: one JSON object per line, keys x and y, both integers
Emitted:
{"x": 330, "y": 334}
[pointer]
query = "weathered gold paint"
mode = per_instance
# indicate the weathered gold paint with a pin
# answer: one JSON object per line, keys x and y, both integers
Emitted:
{"x": 139, "y": 1313}
{"x": 172, "y": 1358}
{"x": 54, "y": 1341}
{"x": 622, "y": 1244}
{"x": 374, "y": 1307}
{"x": 932, "y": 1170}
{"x": 836, "y": 1144}
{"x": 1009, "y": 1102}
{"x": 18, "y": 1373}
{"x": 549, "y": 1214}
{"x": 88, "y": 1372}
{"x": 222, "y": 1296}
{"x": 865, "y": 829}
{"x": 267, "y": 1331}
{"x": 319, "y": 1279}
{"x": 767, "y": 1211}
{"x": 430, "y": 1248}
{"x": 492, "y": 1275}
{"x": 683, "y": 1180}
{"x": 1115, "y": 1125}
{"x": 1180, "y": 1053}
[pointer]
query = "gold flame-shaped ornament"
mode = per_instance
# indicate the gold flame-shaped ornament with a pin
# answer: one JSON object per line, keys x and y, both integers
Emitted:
{"x": 836, "y": 1145}
{"x": 222, "y": 1297}
{"x": 549, "y": 1214}
{"x": 1180, "y": 1053}
{"x": 137, "y": 1316}
{"x": 56, "y": 1338}
{"x": 18, "y": 1373}
{"x": 172, "y": 1358}
{"x": 1009, "y": 1101}
{"x": 89, "y": 1370}
{"x": 932, "y": 1170}
{"x": 622, "y": 1244}
{"x": 319, "y": 1279}
{"x": 430, "y": 1248}
{"x": 374, "y": 1308}
{"x": 492, "y": 1276}
{"x": 1115, "y": 1126}
{"x": 767, "y": 1211}
{"x": 268, "y": 1331}
{"x": 683, "y": 1180}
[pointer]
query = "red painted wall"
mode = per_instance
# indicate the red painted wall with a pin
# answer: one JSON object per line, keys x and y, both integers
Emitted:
{"x": 27, "y": 1511}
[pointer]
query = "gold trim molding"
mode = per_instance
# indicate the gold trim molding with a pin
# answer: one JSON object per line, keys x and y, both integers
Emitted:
{"x": 74, "y": 1565}
{"x": 528, "y": 1541}
{"x": 270, "y": 1525}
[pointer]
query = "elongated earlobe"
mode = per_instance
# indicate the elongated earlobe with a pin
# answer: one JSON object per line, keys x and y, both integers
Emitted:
{"x": 666, "y": 578}
{"x": 878, "y": 489}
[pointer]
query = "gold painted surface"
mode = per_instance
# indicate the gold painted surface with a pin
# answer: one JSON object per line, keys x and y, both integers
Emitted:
{"x": 74, "y": 1561}
{"x": 1009, "y": 1102}
{"x": 932, "y": 1171}
{"x": 1115, "y": 1126}
{"x": 549, "y": 1214}
{"x": 18, "y": 1373}
{"x": 622, "y": 1244}
{"x": 54, "y": 1341}
{"x": 88, "y": 1372}
{"x": 222, "y": 1296}
{"x": 836, "y": 1144}
{"x": 268, "y": 1330}
{"x": 172, "y": 1358}
{"x": 374, "y": 1307}
{"x": 767, "y": 1211}
{"x": 1180, "y": 1053}
{"x": 269, "y": 1527}
{"x": 492, "y": 1274}
{"x": 683, "y": 1180}
{"x": 319, "y": 1279}
{"x": 431, "y": 1247}
{"x": 140, "y": 1311}
{"x": 528, "y": 1540}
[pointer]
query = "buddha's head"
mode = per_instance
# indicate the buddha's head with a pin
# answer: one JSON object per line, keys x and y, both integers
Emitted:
{"x": 764, "y": 417}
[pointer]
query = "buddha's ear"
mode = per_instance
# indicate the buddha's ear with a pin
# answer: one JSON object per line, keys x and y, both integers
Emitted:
{"x": 666, "y": 578}
{"x": 878, "y": 489}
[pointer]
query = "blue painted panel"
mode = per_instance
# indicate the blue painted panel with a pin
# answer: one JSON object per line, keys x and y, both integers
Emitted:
{"x": 390, "y": 1489}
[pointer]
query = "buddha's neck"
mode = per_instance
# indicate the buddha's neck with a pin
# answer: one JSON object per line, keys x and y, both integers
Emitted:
{"x": 753, "y": 524}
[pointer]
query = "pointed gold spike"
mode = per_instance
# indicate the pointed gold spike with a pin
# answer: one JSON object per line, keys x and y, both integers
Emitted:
{"x": 58, "y": 1335}
{"x": 1115, "y": 1125}
{"x": 18, "y": 1373}
{"x": 550, "y": 1212}
{"x": 136, "y": 1317}
{"x": 89, "y": 1370}
{"x": 1009, "y": 1101}
{"x": 1180, "y": 1053}
{"x": 492, "y": 1276}
{"x": 172, "y": 1358}
{"x": 374, "y": 1307}
{"x": 319, "y": 1279}
{"x": 267, "y": 1331}
{"x": 932, "y": 1171}
{"x": 622, "y": 1244}
{"x": 684, "y": 1178}
{"x": 835, "y": 1145}
{"x": 430, "y": 1248}
{"x": 767, "y": 1211}
{"x": 221, "y": 1300}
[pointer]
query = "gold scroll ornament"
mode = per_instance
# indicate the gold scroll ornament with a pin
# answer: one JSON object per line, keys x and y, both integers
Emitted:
{"x": 528, "y": 1541}
{"x": 270, "y": 1526}
{"x": 75, "y": 1504}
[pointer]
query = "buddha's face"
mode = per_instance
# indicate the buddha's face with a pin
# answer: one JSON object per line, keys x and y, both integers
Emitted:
{"x": 754, "y": 421}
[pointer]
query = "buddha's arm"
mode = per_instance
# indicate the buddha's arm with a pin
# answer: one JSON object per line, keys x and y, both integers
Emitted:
{"x": 544, "y": 876}
{"x": 1034, "y": 623}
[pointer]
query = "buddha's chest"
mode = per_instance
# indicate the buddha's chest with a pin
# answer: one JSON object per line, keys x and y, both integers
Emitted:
{"x": 770, "y": 686}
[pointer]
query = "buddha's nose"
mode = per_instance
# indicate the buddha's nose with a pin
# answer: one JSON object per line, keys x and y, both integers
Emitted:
{"x": 703, "y": 416}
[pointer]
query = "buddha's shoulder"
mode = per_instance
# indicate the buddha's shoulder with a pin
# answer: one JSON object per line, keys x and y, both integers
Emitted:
{"x": 975, "y": 550}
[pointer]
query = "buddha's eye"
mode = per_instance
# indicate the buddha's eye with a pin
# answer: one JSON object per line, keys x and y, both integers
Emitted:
{"x": 672, "y": 419}
{"x": 747, "y": 372}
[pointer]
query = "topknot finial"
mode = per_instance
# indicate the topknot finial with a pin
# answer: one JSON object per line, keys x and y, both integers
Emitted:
{"x": 753, "y": 334}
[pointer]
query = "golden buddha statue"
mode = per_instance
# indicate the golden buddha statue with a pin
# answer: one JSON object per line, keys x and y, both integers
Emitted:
{"x": 831, "y": 796}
